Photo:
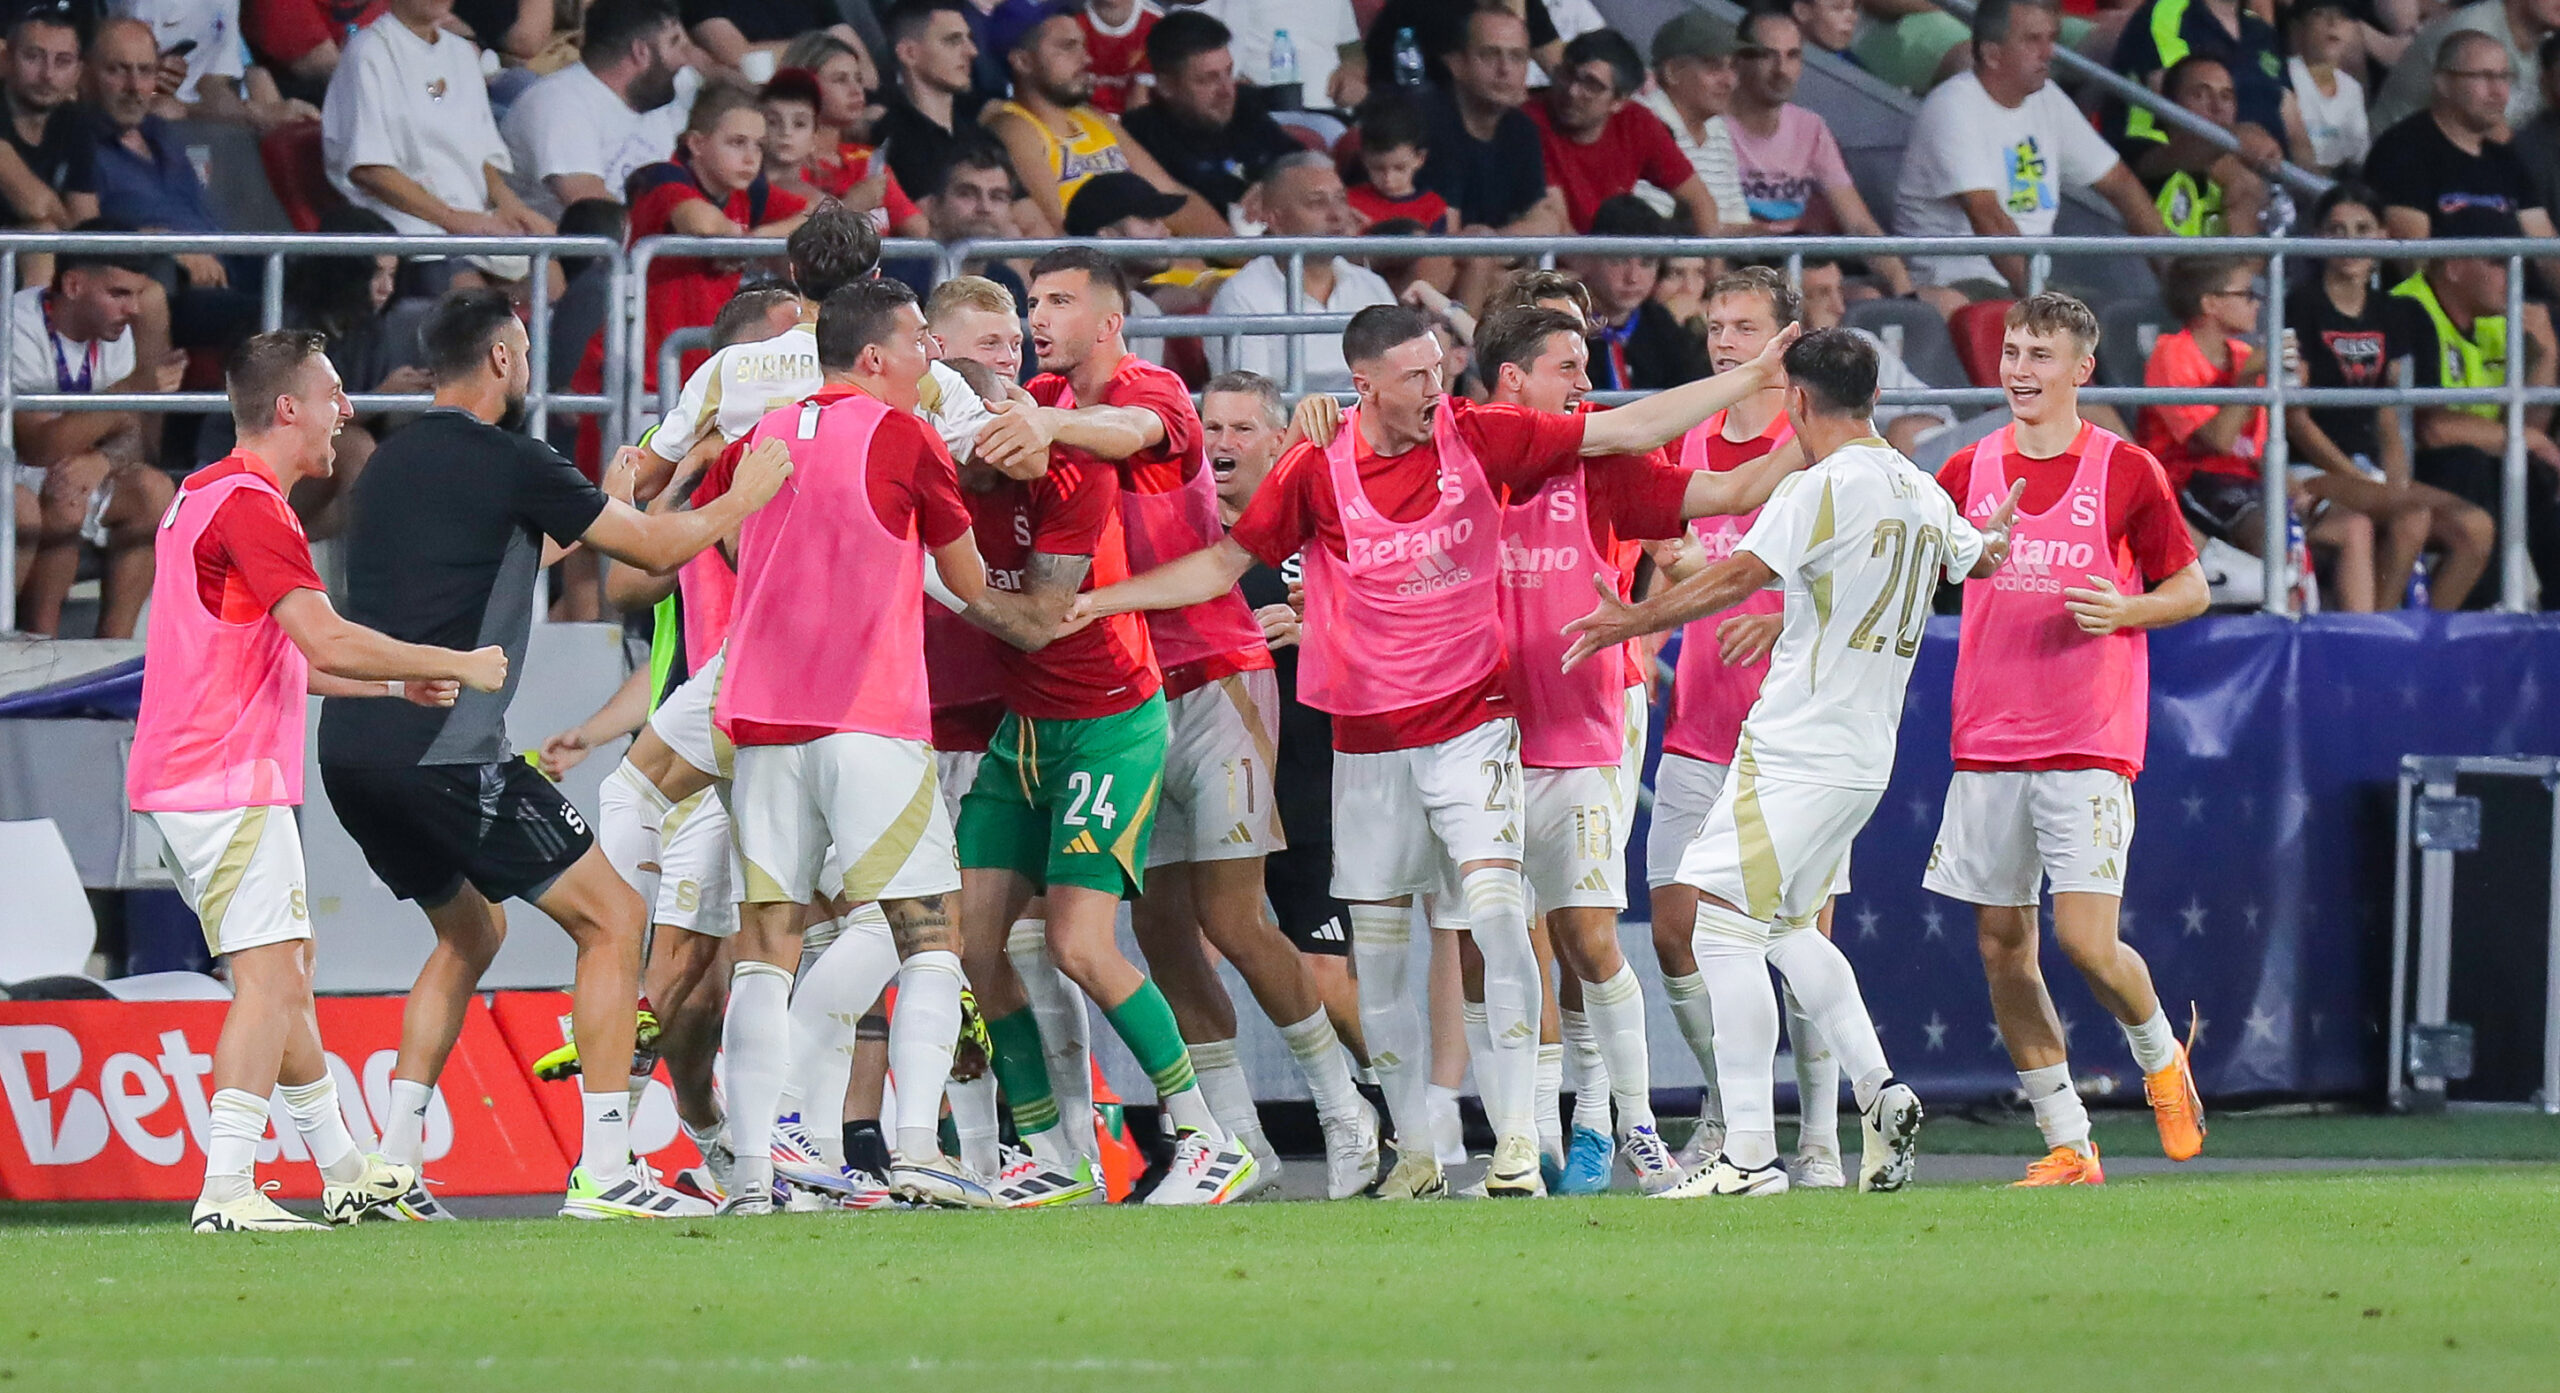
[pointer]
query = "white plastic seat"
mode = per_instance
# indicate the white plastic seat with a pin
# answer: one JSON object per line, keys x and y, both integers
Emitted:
{"x": 46, "y": 929}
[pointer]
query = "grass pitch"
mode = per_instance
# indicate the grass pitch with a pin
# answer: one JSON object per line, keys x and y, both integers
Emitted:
{"x": 2405, "y": 1278}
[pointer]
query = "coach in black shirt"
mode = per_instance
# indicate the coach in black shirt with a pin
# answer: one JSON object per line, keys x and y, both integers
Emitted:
{"x": 449, "y": 525}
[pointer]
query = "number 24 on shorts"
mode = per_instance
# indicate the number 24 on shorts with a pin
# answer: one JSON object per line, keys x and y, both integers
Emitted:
{"x": 1090, "y": 796}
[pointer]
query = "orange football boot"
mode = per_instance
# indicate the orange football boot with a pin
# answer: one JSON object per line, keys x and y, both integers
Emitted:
{"x": 2064, "y": 1165}
{"x": 2176, "y": 1106}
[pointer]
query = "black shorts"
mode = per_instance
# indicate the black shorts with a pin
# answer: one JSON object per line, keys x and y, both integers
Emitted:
{"x": 2224, "y": 506}
{"x": 425, "y": 829}
{"x": 1299, "y": 881}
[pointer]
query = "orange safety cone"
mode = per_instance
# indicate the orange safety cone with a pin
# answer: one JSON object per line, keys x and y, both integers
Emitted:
{"x": 1123, "y": 1160}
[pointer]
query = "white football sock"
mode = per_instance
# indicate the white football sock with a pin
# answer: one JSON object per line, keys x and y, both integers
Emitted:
{"x": 404, "y": 1135}
{"x": 973, "y": 1116}
{"x": 2059, "y": 1113}
{"x": 315, "y": 1112}
{"x": 629, "y": 810}
{"x": 1190, "y": 1109}
{"x": 755, "y": 1042}
{"x": 1472, "y": 1023}
{"x": 1391, "y": 1016}
{"x": 605, "y": 1146}
{"x": 1448, "y": 1126}
{"x": 233, "y": 1127}
{"x": 1696, "y": 1017}
{"x": 836, "y": 987}
{"x": 1546, "y": 1100}
{"x": 1586, "y": 1074}
{"x": 1066, "y": 1031}
{"x": 2155, "y": 1045}
{"x": 1615, "y": 1009}
{"x": 1732, "y": 959}
{"x": 1229, "y": 1093}
{"x": 1817, "y": 1080}
{"x": 1498, "y": 916}
{"x": 1327, "y": 1066}
{"x": 1828, "y": 987}
{"x": 923, "y": 1031}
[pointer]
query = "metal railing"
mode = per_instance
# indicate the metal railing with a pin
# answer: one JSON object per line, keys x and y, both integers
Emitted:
{"x": 273, "y": 249}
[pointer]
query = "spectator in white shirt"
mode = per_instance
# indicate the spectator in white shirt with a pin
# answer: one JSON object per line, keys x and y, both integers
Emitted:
{"x": 406, "y": 131}
{"x": 1300, "y": 196}
{"x": 214, "y": 79}
{"x": 2332, "y": 101}
{"x": 1993, "y": 150}
{"x": 1317, "y": 31}
{"x": 1692, "y": 82}
{"x": 579, "y": 132}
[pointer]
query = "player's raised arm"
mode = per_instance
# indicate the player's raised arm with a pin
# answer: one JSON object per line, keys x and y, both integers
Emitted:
{"x": 659, "y": 542}
{"x": 1732, "y": 492}
{"x": 1198, "y": 578}
{"x": 1659, "y": 419}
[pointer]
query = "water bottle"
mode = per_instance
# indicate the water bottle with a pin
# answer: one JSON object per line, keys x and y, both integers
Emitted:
{"x": 1283, "y": 91}
{"x": 1408, "y": 59}
{"x": 2420, "y": 595}
{"x": 2297, "y": 551}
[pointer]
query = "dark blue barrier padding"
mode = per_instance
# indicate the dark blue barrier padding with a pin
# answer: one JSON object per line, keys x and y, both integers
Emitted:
{"x": 108, "y": 694}
{"x": 2261, "y": 870}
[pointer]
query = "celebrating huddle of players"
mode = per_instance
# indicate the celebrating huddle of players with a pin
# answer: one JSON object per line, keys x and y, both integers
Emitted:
{"x": 946, "y": 670}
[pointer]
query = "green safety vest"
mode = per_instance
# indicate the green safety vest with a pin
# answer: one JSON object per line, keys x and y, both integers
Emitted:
{"x": 2476, "y": 360}
{"x": 2191, "y": 206}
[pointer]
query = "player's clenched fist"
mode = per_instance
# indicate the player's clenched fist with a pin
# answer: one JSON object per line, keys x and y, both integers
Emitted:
{"x": 763, "y": 471}
{"x": 485, "y": 669}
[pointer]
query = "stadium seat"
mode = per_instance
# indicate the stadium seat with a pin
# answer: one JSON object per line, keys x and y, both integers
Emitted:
{"x": 1976, "y": 331}
{"x": 1914, "y": 332}
{"x": 2126, "y": 331}
{"x": 46, "y": 927}
{"x": 297, "y": 174}
{"x": 228, "y": 157}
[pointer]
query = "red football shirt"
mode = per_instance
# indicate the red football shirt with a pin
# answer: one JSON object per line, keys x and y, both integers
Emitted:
{"x": 1633, "y": 146}
{"x": 253, "y": 553}
{"x": 1423, "y": 206}
{"x": 1108, "y": 666}
{"x": 1519, "y": 449}
{"x": 1118, "y": 59}
{"x": 688, "y": 292}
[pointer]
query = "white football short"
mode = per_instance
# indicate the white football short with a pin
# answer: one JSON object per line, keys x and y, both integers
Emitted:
{"x": 1400, "y": 815}
{"x": 1684, "y": 792}
{"x": 957, "y": 769}
{"x": 1776, "y": 849}
{"x": 1631, "y": 758}
{"x": 861, "y": 815}
{"x": 2008, "y": 832}
{"x": 1577, "y": 839}
{"x": 683, "y": 720}
{"x": 1216, "y": 803}
{"x": 694, "y": 889}
{"x": 240, "y": 870}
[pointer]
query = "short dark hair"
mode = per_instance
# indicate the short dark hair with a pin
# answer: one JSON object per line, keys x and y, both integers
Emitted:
{"x": 1379, "y": 328}
{"x": 81, "y": 257}
{"x": 2449, "y": 52}
{"x": 1535, "y": 283}
{"x": 591, "y": 217}
{"x": 60, "y": 14}
{"x": 459, "y": 330}
{"x": 2176, "y": 77}
{"x": 1517, "y": 336}
{"x": 747, "y": 310}
{"x": 1992, "y": 18}
{"x": 1390, "y": 120}
{"x": 2193, "y": 279}
{"x": 1628, "y": 216}
{"x": 264, "y": 367}
{"x": 1754, "y": 18}
{"x": 1626, "y": 66}
{"x": 1244, "y": 382}
{"x": 2354, "y": 191}
{"x": 613, "y": 26}
{"x": 1102, "y": 271}
{"x": 835, "y": 247}
{"x": 1837, "y": 370}
{"x": 973, "y": 150}
{"x": 856, "y": 317}
{"x": 910, "y": 18}
{"x": 1182, "y": 35}
{"x": 1465, "y": 34}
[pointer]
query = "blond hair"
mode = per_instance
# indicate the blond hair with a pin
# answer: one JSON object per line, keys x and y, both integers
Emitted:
{"x": 969, "y": 293}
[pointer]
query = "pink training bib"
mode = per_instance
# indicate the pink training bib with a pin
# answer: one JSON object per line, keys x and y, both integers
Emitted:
{"x": 710, "y": 592}
{"x": 2031, "y": 689}
{"x": 1162, "y": 527}
{"x": 1709, "y": 699}
{"x": 1568, "y": 720}
{"x": 828, "y": 629}
{"x": 222, "y": 704}
{"x": 1411, "y": 614}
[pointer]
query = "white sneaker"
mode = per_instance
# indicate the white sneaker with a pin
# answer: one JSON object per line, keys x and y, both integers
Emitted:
{"x": 1513, "y": 1172}
{"x": 1027, "y": 1182}
{"x": 1205, "y": 1171}
{"x": 1417, "y": 1175}
{"x": 1892, "y": 1145}
{"x": 1705, "y": 1144}
{"x": 751, "y": 1188}
{"x": 1723, "y": 1177}
{"x": 939, "y": 1180}
{"x": 417, "y": 1206}
{"x": 251, "y": 1213}
{"x": 1351, "y": 1153}
{"x": 636, "y": 1196}
{"x": 796, "y": 1157}
{"x": 1816, "y": 1168}
{"x": 381, "y": 1184}
{"x": 1649, "y": 1159}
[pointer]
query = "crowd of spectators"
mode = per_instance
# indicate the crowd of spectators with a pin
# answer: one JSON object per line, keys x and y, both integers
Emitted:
{"x": 970, "y": 120}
